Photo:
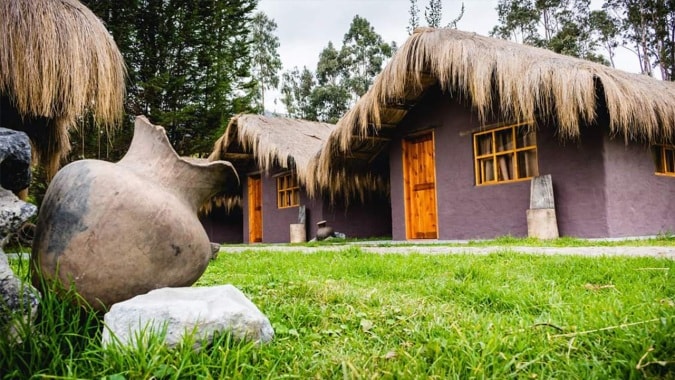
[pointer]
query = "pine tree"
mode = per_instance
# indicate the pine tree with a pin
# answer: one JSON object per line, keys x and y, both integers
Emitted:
{"x": 189, "y": 63}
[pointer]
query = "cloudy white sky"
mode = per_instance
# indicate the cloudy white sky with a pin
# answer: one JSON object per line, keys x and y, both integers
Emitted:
{"x": 304, "y": 27}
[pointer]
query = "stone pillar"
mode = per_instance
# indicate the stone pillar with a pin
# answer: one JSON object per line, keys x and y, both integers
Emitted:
{"x": 299, "y": 230}
{"x": 541, "y": 217}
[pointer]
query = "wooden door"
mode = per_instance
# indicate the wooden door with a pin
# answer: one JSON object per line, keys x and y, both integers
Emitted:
{"x": 255, "y": 226}
{"x": 419, "y": 182}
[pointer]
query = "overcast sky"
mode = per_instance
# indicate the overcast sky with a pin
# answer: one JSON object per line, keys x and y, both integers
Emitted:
{"x": 304, "y": 27}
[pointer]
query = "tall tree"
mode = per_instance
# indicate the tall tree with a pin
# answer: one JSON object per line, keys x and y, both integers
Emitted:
{"x": 266, "y": 62}
{"x": 414, "y": 20}
{"x": 606, "y": 30}
{"x": 345, "y": 75}
{"x": 433, "y": 14}
{"x": 226, "y": 84}
{"x": 563, "y": 26}
{"x": 648, "y": 28}
{"x": 330, "y": 97}
{"x": 342, "y": 75}
{"x": 517, "y": 21}
{"x": 189, "y": 63}
{"x": 363, "y": 53}
{"x": 296, "y": 90}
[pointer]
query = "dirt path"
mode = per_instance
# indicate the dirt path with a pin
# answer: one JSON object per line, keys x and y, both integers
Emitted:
{"x": 428, "y": 249}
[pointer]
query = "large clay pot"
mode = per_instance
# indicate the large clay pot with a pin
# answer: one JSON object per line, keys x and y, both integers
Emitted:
{"x": 117, "y": 230}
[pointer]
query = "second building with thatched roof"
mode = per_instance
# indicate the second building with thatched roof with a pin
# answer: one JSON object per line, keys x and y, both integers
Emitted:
{"x": 273, "y": 157}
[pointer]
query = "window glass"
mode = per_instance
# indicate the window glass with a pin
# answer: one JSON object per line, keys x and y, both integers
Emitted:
{"x": 505, "y": 154}
{"x": 288, "y": 191}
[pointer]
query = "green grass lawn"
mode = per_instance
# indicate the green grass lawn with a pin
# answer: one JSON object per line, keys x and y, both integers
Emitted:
{"x": 349, "y": 314}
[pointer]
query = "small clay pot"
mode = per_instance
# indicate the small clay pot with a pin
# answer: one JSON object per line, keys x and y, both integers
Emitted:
{"x": 323, "y": 231}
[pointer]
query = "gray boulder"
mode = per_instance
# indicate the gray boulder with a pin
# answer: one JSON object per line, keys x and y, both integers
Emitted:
{"x": 18, "y": 302}
{"x": 202, "y": 310}
{"x": 15, "y": 156}
{"x": 13, "y": 213}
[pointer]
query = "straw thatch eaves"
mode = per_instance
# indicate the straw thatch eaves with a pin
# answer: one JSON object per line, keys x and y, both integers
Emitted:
{"x": 515, "y": 81}
{"x": 57, "y": 63}
{"x": 271, "y": 142}
{"x": 260, "y": 143}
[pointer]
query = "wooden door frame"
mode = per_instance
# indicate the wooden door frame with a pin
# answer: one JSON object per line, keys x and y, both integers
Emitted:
{"x": 406, "y": 206}
{"x": 251, "y": 212}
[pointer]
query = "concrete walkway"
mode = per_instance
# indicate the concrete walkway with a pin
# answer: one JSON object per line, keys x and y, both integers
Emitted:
{"x": 436, "y": 249}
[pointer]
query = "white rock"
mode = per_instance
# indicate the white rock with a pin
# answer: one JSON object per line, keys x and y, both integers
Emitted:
{"x": 181, "y": 311}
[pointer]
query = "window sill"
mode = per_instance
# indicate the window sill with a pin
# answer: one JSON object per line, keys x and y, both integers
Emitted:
{"x": 488, "y": 184}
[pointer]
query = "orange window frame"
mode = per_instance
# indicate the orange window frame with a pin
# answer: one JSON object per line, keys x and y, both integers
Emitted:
{"x": 288, "y": 191}
{"x": 497, "y": 172}
{"x": 664, "y": 159}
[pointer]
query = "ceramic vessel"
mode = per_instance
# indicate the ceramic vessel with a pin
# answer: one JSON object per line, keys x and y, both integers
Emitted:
{"x": 117, "y": 230}
{"x": 323, "y": 231}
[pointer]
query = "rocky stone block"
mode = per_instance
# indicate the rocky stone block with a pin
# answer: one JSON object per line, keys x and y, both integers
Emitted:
{"x": 13, "y": 213}
{"x": 204, "y": 311}
{"x": 18, "y": 302}
{"x": 15, "y": 156}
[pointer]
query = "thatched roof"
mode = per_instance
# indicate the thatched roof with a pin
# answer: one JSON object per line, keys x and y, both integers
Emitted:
{"x": 58, "y": 61}
{"x": 517, "y": 82}
{"x": 256, "y": 142}
{"x": 270, "y": 141}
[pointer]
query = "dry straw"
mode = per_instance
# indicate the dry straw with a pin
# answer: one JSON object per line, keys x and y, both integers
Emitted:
{"x": 277, "y": 142}
{"x": 517, "y": 82}
{"x": 58, "y": 61}
{"x": 273, "y": 142}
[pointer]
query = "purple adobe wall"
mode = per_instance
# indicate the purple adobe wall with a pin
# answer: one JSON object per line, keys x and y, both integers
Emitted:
{"x": 639, "y": 201}
{"x": 464, "y": 211}
{"x": 356, "y": 220}
{"x": 359, "y": 220}
{"x": 469, "y": 212}
{"x": 276, "y": 221}
{"x": 223, "y": 227}
{"x": 577, "y": 171}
